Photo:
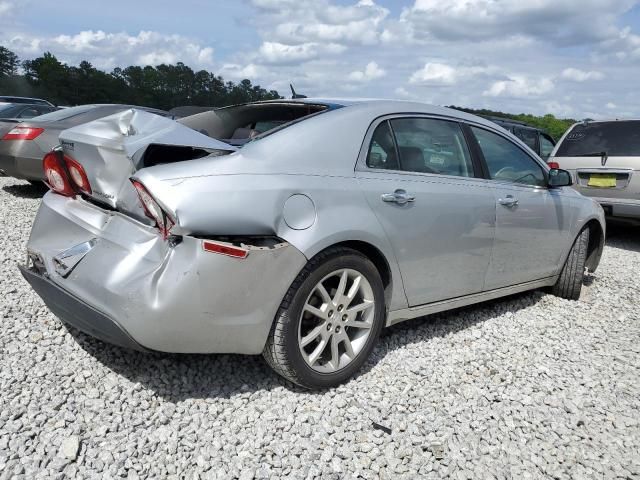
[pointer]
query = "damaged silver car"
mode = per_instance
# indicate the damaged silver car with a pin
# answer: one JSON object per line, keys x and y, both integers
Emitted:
{"x": 298, "y": 229}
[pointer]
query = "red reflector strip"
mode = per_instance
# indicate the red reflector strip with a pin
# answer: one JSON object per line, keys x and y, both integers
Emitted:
{"x": 222, "y": 249}
{"x": 553, "y": 164}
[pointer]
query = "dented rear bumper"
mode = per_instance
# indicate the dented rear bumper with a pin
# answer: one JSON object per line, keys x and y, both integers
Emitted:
{"x": 132, "y": 288}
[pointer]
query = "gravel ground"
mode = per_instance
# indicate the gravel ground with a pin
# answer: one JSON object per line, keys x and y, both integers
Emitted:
{"x": 528, "y": 387}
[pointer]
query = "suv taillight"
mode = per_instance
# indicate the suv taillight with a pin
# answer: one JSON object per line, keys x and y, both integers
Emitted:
{"x": 23, "y": 133}
{"x": 56, "y": 174}
{"x": 151, "y": 208}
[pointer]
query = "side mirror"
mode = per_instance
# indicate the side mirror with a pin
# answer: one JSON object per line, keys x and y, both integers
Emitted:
{"x": 559, "y": 178}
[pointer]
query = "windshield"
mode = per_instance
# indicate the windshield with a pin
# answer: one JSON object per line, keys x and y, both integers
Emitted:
{"x": 65, "y": 113}
{"x": 616, "y": 139}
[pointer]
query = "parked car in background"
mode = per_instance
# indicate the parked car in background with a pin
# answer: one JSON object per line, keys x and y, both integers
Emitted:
{"x": 536, "y": 139}
{"x": 23, "y": 146}
{"x": 33, "y": 101}
{"x": 604, "y": 160}
{"x": 12, "y": 113}
{"x": 338, "y": 219}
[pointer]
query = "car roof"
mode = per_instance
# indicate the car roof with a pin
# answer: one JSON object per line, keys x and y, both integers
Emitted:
{"x": 16, "y": 99}
{"x": 382, "y": 106}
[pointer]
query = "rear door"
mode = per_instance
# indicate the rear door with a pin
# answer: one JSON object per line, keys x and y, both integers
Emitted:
{"x": 532, "y": 221}
{"x": 419, "y": 179}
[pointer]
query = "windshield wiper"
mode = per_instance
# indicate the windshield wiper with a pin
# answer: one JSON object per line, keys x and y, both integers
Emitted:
{"x": 601, "y": 154}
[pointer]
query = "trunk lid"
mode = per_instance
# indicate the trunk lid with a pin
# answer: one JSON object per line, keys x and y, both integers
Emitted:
{"x": 113, "y": 148}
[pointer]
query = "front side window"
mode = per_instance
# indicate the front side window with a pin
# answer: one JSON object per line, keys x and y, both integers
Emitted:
{"x": 506, "y": 161}
{"x": 432, "y": 146}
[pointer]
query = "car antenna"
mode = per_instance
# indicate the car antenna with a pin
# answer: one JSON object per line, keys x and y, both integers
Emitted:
{"x": 294, "y": 94}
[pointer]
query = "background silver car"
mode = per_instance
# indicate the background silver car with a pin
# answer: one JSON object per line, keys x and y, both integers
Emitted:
{"x": 333, "y": 219}
{"x": 23, "y": 145}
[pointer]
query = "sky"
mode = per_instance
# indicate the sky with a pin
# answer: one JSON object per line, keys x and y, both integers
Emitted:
{"x": 572, "y": 58}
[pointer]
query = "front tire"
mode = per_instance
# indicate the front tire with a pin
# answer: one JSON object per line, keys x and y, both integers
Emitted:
{"x": 329, "y": 320}
{"x": 569, "y": 282}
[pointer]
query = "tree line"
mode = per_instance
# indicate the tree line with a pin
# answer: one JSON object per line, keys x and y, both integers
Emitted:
{"x": 552, "y": 125}
{"x": 163, "y": 86}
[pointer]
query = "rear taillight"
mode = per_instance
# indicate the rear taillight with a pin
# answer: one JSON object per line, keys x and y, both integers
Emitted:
{"x": 553, "y": 164}
{"x": 153, "y": 210}
{"x": 56, "y": 174}
{"x": 78, "y": 175}
{"x": 22, "y": 133}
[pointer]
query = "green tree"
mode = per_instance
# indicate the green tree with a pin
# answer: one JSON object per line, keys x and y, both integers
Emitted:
{"x": 9, "y": 63}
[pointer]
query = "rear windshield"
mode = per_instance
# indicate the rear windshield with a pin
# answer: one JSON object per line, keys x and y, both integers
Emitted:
{"x": 616, "y": 139}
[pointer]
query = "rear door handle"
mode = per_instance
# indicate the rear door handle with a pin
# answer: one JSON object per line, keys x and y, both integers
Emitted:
{"x": 399, "y": 196}
{"x": 508, "y": 201}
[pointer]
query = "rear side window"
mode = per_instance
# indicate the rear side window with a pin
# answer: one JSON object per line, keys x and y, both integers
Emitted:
{"x": 616, "y": 139}
{"x": 382, "y": 150}
{"x": 506, "y": 161}
{"x": 527, "y": 136}
{"x": 422, "y": 145}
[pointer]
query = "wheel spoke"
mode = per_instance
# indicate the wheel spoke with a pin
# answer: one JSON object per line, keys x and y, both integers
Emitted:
{"x": 311, "y": 336}
{"x": 326, "y": 298}
{"x": 348, "y": 348}
{"x": 342, "y": 286}
{"x": 353, "y": 291}
{"x": 314, "y": 311}
{"x": 335, "y": 355}
{"x": 313, "y": 358}
{"x": 361, "y": 307}
{"x": 359, "y": 324}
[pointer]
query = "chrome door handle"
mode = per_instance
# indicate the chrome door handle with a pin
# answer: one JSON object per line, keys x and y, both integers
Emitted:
{"x": 399, "y": 196}
{"x": 508, "y": 201}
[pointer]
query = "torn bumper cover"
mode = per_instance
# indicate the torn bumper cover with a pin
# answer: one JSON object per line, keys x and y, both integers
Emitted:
{"x": 116, "y": 279}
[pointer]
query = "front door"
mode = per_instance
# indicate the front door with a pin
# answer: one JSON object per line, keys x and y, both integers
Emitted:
{"x": 419, "y": 180}
{"x": 532, "y": 221}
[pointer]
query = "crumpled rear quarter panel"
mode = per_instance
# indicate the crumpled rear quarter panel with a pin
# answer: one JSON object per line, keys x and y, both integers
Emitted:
{"x": 172, "y": 299}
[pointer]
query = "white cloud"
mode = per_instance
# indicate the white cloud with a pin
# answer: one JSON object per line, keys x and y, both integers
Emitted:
{"x": 108, "y": 50}
{"x": 274, "y": 52}
{"x": 435, "y": 73}
{"x": 304, "y": 21}
{"x": 5, "y": 7}
{"x": 569, "y": 22}
{"x": 611, "y": 105}
{"x": 520, "y": 86}
{"x": 577, "y": 75}
{"x": 371, "y": 72}
{"x": 234, "y": 71}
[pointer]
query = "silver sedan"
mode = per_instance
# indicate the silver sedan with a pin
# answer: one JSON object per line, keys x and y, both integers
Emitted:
{"x": 298, "y": 229}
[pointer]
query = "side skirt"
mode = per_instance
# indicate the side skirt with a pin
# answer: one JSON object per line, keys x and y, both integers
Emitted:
{"x": 398, "y": 316}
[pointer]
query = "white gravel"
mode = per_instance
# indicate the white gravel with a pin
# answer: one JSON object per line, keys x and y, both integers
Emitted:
{"x": 528, "y": 387}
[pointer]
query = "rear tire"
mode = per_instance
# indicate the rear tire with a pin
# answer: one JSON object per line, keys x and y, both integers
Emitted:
{"x": 569, "y": 282}
{"x": 329, "y": 320}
